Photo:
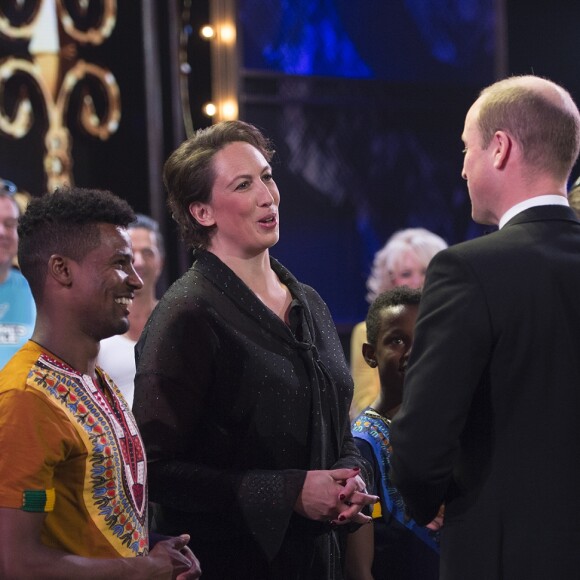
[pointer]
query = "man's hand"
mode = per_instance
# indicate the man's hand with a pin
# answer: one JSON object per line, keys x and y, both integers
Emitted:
{"x": 179, "y": 558}
{"x": 437, "y": 523}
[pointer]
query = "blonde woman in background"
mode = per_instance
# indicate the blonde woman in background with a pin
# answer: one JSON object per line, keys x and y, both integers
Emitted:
{"x": 402, "y": 261}
{"x": 574, "y": 197}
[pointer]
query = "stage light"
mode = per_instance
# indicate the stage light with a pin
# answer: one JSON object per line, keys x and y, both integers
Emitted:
{"x": 229, "y": 110}
{"x": 209, "y": 109}
{"x": 207, "y": 32}
{"x": 227, "y": 33}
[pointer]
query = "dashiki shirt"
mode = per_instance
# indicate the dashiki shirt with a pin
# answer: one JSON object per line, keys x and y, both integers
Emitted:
{"x": 71, "y": 448}
{"x": 404, "y": 550}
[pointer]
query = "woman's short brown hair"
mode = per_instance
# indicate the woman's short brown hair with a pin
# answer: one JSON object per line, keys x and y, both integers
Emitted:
{"x": 189, "y": 177}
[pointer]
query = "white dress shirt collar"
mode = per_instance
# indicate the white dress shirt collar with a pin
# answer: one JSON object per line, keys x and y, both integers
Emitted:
{"x": 532, "y": 202}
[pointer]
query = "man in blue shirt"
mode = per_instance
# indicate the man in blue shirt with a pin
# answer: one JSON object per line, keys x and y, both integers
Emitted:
{"x": 17, "y": 308}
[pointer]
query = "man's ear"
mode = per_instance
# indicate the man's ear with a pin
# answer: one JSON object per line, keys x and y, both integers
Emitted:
{"x": 202, "y": 213}
{"x": 503, "y": 145}
{"x": 368, "y": 351}
{"x": 59, "y": 270}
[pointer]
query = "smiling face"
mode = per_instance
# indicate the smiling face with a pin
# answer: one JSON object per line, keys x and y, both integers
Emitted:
{"x": 105, "y": 282}
{"x": 392, "y": 349}
{"x": 408, "y": 271}
{"x": 244, "y": 203}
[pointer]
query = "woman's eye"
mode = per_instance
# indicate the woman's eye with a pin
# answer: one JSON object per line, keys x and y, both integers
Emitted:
{"x": 243, "y": 185}
{"x": 267, "y": 177}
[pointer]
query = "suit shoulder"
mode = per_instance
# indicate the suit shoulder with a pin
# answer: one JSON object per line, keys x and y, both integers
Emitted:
{"x": 479, "y": 246}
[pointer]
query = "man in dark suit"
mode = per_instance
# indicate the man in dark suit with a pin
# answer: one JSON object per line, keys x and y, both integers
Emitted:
{"x": 490, "y": 421}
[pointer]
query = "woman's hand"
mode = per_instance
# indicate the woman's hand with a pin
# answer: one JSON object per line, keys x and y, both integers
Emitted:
{"x": 335, "y": 496}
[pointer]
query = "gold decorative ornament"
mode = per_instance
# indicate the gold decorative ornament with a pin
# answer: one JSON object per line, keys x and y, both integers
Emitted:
{"x": 55, "y": 71}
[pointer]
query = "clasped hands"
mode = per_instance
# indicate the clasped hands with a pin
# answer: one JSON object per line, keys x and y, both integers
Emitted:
{"x": 336, "y": 496}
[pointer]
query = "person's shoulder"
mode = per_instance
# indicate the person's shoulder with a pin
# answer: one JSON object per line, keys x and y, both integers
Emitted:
{"x": 15, "y": 373}
{"x": 365, "y": 448}
{"x": 115, "y": 346}
{"x": 184, "y": 309}
{"x": 472, "y": 248}
{"x": 359, "y": 331}
{"x": 185, "y": 293}
{"x": 310, "y": 292}
{"x": 16, "y": 279}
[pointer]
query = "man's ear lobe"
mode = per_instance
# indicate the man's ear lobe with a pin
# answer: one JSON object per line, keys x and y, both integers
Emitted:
{"x": 368, "y": 351}
{"x": 59, "y": 269}
{"x": 202, "y": 213}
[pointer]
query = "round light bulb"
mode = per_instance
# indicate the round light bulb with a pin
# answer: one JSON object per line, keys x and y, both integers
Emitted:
{"x": 207, "y": 32}
{"x": 209, "y": 109}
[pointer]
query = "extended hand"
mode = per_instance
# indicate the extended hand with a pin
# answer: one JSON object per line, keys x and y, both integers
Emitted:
{"x": 437, "y": 523}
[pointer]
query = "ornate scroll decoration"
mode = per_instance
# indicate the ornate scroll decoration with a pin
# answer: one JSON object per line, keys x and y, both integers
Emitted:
{"x": 54, "y": 69}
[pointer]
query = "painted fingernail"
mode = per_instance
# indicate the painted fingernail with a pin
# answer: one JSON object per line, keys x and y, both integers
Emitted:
{"x": 341, "y": 496}
{"x": 341, "y": 518}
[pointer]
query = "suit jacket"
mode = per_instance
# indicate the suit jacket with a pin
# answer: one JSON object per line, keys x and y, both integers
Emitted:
{"x": 490, "y": 421}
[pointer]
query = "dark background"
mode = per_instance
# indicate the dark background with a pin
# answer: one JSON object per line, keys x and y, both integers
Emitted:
{"x": 365, "y": 102}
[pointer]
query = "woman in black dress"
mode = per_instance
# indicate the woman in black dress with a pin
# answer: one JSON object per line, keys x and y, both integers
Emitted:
{"x": 242, "y": 388}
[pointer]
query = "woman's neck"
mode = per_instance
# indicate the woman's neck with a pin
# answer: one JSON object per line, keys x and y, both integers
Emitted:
{"x": 257, "y": 274}
{"x": 255, "y": 271}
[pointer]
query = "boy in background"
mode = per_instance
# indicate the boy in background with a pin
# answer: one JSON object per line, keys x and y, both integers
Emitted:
{"x": 394, "y": 546}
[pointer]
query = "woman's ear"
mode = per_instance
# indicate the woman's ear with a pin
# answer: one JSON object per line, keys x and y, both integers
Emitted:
{"x": 368, "y": 351}
{"x": 202, "y": 213}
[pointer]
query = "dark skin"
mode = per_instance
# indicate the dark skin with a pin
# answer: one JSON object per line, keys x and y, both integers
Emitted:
{"x": 391, "y": 354}
{"x": 82, "y": 303}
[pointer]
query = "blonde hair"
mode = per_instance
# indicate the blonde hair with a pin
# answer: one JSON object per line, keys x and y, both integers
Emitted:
{"x": 574, "y": 197}
{"x": 418, "y": 241}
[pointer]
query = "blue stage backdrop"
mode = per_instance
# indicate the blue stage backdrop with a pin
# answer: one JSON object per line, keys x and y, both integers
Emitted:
{"x": 365, "y": 102}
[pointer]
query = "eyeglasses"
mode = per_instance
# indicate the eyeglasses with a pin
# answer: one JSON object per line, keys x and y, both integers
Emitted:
{"x": 8, "y": 187}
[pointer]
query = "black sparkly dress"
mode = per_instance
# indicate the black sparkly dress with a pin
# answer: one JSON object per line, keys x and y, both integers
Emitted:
{"x": 234, "y": 407}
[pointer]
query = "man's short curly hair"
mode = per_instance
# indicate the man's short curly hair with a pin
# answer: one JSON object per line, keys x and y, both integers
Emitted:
{"x": 401, "y": 295}
{"x": 65, "y": 222}
{"x": 189, "y": 177}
